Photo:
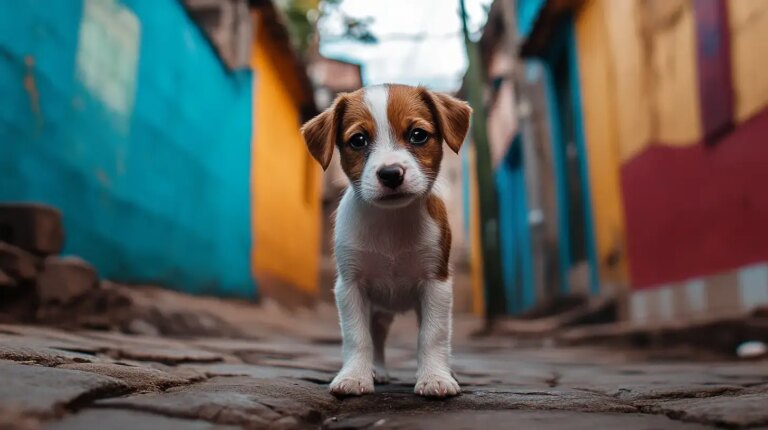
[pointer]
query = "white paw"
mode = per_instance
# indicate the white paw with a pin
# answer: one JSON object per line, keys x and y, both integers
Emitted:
{"x": 380, "y": 375}
{"x": 437, "y": 385}
{"x": 352, "y": 384}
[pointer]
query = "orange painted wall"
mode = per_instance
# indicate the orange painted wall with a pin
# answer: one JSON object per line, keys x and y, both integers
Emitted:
{"x": 285, "y": 181}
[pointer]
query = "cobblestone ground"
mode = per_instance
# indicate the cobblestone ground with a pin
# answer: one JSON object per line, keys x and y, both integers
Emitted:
{"x": 276, "y": 375}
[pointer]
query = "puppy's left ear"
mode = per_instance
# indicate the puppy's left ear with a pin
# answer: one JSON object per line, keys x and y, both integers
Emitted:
{"x": 452, "y": 118}
{"x": 320, "y": 132}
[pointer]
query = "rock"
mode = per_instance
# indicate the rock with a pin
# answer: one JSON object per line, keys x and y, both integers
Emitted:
{"x": 64, "y": 279}
{"x": 654, "y": 381}
{"x": 473, "y": 419}
{"x": 34, "y": 227}
{"x": 95, "y": 419}
{"x": 40, "y": 352}
{"x": 6, "y": 280}
{"x": 731, "y": 411}
{"x": 146, "y": 348}
{"x": 14, "y": 419}
{"x": 139, "y": 326}
{"x": 752, "y": 349}
{"x": 761, "y": 312}
{"x": 254, "y": 371}
{"x": 240, "y": 401}
{"x": 401, "y": 398}
{"x": 17, "y": 263}
{"x": 44, "y": 391}
{"x": 135, "y": 377}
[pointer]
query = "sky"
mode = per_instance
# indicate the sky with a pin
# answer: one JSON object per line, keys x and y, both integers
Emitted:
{"x": 435, "y": 58}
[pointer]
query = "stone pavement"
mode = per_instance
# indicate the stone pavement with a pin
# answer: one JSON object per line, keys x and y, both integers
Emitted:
{"x": 275, "y": 372}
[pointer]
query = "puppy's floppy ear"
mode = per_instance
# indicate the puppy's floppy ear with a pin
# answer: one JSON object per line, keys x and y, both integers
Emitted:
{"x": 320, "y": 133}
{"x": 452, "y": 117}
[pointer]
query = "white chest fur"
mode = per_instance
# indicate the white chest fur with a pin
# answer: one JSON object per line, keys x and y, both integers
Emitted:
{"x": 386, "y": 252}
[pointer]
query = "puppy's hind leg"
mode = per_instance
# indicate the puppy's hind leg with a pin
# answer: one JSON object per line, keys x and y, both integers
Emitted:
{"x": 380, "y": 322}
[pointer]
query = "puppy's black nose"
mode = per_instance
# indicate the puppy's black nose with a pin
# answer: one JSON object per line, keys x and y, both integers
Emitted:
{"x": 391, "y": 176}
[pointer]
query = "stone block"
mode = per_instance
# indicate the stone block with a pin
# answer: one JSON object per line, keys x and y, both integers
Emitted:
{"x": 6, "y": 280}
{"x": 64, "y": 279}
{"x": 33, "y": 227}
{"x": 17, "y": 263}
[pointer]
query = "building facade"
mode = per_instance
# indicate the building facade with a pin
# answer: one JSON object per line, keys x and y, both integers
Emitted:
{"x": 171, "y": 155}
{"x": 654, "y": 113}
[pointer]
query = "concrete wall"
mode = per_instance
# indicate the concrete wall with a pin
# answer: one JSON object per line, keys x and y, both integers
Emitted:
{"x": 120, "y": 113}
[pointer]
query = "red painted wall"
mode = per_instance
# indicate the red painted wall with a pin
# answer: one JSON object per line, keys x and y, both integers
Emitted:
{"x": 699, "y": 209}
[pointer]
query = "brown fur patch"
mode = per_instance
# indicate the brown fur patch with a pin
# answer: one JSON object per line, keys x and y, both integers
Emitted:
{"x": 407, "y": 110}
{"x": 436, "y": 210}
{"x": 357, "y": 119}
{"x": 321, "y": 132}
{"x": 452, "y": 117}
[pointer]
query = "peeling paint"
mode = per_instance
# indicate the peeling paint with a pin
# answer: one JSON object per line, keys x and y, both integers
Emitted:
{"x": 30, "y": 86}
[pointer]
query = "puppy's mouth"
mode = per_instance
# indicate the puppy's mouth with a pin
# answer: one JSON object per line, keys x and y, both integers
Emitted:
{"x": 395, "y": 197}
{"x": 394, "y": 200}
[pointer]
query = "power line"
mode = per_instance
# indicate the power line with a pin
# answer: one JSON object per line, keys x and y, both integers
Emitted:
{"x": 391, "y": 37}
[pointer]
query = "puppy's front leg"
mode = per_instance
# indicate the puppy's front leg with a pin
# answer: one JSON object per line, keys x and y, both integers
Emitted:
{"x": 433, "y": 377}
{"x": 356, "y": 375}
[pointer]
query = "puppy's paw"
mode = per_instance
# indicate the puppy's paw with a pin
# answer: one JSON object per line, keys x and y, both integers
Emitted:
{"x": 439, "y": 385}
{"x": 352, "y": 384}
{"x": 380, "y": 375}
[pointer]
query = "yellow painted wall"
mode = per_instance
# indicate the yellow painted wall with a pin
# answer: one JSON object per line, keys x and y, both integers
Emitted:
{"x": 628, "y": 72}
{"x": 601, "y": 130}
{"x": 652, "y": 56}
{"x": 749, "y": 35}
{"x": 674, "y": 86}
{"x": 475, "y": 246}
{"x": 285, "y": 181}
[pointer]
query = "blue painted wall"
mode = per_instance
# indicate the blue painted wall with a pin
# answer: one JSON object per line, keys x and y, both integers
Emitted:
{"x": 527, "y": 13}
{"x": 563, "y": 45}
{"x": 514, "y": 231}
{"x": 159, "y": 193}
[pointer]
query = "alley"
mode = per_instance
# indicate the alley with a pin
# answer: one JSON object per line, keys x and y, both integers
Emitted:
{"x": 172, "y": 232}
{"x": 273, "y": 368}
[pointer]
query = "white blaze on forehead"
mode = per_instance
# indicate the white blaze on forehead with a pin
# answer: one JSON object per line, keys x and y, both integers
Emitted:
{"x": 385, "y": 151}
{"x": 376, "y": 98}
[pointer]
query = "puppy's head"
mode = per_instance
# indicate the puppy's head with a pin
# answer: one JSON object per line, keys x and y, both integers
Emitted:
{"x": 390, "y": 139}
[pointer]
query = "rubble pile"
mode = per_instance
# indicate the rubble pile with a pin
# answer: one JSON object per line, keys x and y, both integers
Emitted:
{"x": 39, "y": 285}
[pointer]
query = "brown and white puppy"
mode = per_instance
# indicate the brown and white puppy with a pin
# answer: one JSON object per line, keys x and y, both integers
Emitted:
{"x": 392, "y": 239}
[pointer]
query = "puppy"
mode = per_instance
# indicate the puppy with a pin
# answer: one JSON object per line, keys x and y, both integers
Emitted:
{"x": 392, "y": 239}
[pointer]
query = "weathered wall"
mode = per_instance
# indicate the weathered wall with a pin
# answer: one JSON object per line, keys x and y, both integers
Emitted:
{"x": 598, "y": 88}
{"x": 119, "y": 113}
{"x": 691, "y": 209}
{"x": 502, "y": 119}
{"x": 285, "y": 181}
{"x": 749, "y": 33}
{"x": 527, "y": 11}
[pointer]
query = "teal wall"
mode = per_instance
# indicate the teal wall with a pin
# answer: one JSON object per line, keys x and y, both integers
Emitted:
{"x": 137, "y": 133}
{"x": 514, "y": 231}
{"x": 527, "y": 14}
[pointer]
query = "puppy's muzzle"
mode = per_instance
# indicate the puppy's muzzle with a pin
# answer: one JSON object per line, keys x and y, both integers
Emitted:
{"x": 391, "y": 176}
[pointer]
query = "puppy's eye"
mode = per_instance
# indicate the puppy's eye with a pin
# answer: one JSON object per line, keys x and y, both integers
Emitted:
{"x": 418, "y": 136}
{"x": 358, "y": 141}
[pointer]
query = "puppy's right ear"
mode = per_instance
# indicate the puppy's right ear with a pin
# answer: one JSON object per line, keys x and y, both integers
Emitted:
{"x": 320, "y": 133}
